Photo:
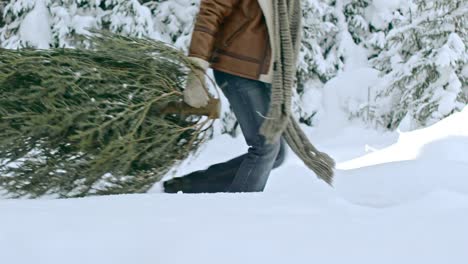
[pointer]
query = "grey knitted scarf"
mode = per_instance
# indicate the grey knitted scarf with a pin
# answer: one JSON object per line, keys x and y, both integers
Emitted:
{"x": 279, "y": 122}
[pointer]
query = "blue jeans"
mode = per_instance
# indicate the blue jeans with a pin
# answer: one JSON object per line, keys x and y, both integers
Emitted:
{"x": 249, "y": 100}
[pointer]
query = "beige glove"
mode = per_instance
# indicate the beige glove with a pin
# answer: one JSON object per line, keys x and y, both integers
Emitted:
{"x": 195, "y": 94}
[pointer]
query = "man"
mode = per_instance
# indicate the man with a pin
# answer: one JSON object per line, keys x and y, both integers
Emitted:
{"x": 240, "y": 40}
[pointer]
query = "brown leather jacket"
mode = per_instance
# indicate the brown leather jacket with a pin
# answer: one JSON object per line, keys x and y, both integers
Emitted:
{"x": 232, "y": 36}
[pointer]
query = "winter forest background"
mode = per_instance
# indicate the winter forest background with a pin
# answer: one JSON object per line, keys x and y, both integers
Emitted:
{"x": 403, "y": 62}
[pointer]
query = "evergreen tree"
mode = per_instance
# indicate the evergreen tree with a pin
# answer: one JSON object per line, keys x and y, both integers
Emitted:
{"x": 317, "y": 58}
{"x": 464, "y": 79}
{"x": 78, "y": 122}
{"x": 71, "y": 19}
{"x": 318, "y": 61}
{"x": 174, "y": 20}
{"x": 129, "y": 18}
{"x": 2, "y": 8}
{"x": 333, "y": 36}
{"x": 63, "y": 22}
{"x": 47, "y": 23}
{"x": 14, "y": 15}
{"x": 360, "y": 28}
{"x": 423, "y": 65}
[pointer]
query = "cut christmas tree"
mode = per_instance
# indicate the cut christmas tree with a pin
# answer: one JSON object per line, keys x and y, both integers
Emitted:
{"x": 78, "y": 122}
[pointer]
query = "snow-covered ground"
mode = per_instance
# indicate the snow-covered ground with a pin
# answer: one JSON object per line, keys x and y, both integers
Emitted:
{"x": 398, "y": 198}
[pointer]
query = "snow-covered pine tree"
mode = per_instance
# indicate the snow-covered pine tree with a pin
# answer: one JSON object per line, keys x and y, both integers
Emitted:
{"x": 333, "y": 41}
{"x": 316, "y": 58}
{"x": 423, "y": 63}
{"x": 361, "y": 29}
{"x": 174, "y": 20}
{"x": 364, "y": 24}
{"x": 18, "y": 17}
{"x": 3, "y": 3}
{"x": 129, "y": 18}
{"x": 381, "y": 16}
{"x": 70, "y": 19}
{"x": 46, "y": 23}
{"x": 358, "y": 26}
{"x": 317, "y": 62}
{"x": 464, "y": 79}
{"x": 60, "y": 23}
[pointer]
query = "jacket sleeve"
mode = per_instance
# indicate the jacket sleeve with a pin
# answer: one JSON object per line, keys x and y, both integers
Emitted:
{"x": 207, "y": 24}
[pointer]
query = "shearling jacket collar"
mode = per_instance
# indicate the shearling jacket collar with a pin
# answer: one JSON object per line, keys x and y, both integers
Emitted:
{"x": 267, "y": 9}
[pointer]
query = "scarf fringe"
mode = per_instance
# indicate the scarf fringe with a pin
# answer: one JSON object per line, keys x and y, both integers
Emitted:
{"x": 319, "y": 162}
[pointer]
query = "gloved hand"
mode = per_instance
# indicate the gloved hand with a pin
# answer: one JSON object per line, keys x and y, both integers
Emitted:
{"x": 195, "y": 94}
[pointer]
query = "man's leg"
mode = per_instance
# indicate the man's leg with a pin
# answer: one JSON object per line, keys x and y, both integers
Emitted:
{"x": 249, "y": 172}
{"x": 250, "y": 100}
{"x": 216, "y": 178}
